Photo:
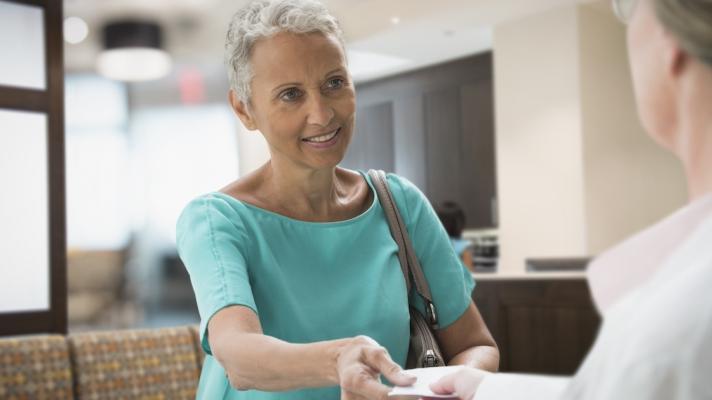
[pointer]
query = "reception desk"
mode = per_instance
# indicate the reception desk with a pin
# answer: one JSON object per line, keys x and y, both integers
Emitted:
{"x": 542, "y": 322}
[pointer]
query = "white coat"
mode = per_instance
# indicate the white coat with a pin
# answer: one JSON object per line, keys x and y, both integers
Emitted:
{"x": 656, "y": 339}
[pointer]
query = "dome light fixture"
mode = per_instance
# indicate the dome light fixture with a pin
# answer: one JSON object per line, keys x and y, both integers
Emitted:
{"x": 133, "y": 52}
{"x": 75, "y": 30}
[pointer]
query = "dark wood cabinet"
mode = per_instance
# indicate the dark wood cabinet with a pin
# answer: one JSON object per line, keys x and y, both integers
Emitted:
{"x": 541, "y": 326}
{"x": 409, "y": 131}
{"x": 372, "y": 144}
{"x": 434, "y": 126}
{"x": 479, "y": 183}
{"x": 443, "y": 143}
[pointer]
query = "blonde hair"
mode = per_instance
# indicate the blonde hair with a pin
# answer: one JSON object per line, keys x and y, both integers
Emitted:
{"x": 690, "y": 21}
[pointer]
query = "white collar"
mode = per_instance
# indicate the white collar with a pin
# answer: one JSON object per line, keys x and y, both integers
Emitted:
{"x": 631, "y": 263}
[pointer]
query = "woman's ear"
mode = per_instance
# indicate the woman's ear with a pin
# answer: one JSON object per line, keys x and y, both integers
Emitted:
{"x": 241, "y": 110}
{"x": 674, "y": 57}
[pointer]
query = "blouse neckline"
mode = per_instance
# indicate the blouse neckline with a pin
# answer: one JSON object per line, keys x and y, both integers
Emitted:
{"x": 285, "y": 218}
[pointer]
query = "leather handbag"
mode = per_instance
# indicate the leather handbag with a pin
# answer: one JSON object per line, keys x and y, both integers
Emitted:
{"x": 424, "y": 351}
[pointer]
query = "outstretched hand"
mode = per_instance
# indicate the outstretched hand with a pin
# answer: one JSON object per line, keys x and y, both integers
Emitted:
{"x": 462, "y": 384}
{"x": 359, "y": 367}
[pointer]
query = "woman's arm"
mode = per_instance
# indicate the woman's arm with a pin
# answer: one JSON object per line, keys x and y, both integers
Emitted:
{"x": 467, "y": 260}
{"x": 467, "y": 341}
{"x": 253, "y": 360}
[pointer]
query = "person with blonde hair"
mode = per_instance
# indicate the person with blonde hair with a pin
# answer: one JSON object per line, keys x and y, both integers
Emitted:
{"x": 295, "y": 272}
{"x": 653, "y": 289}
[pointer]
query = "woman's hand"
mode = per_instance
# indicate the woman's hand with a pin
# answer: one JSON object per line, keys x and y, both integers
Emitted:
{"x": 462, "y": 384}
{"x": 359, "y": 365}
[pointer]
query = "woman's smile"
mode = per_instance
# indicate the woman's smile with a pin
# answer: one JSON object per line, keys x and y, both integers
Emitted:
{"x": 323, "y": 141}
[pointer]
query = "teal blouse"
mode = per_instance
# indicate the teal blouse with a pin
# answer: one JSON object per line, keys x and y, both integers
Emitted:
{"x": 314, "y": 281}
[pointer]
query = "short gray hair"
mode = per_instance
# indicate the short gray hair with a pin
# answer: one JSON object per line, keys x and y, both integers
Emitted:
{"x": 262, "y": 19}
{"x": 690, "y": 21}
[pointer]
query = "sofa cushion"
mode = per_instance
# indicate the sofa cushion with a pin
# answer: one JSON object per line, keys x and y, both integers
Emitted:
{"x": 35, "y": 367}
{"x": 137, "y": 364}
{"x": 195, "y": 330}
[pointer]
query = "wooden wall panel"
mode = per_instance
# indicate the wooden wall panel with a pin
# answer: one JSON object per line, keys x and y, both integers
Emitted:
{"x": 541, "y": 326}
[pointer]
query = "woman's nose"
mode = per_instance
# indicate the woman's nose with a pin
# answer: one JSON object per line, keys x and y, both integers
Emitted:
{"x": 320, "y": 111}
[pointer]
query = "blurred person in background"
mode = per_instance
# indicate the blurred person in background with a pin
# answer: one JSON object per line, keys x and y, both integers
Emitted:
{"x": 295, "y": 271}
{"x": 452, "y": 217}
{"x": 653, "y": 289}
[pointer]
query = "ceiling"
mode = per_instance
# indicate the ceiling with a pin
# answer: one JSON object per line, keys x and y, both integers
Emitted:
{"x": 426, "y": 32}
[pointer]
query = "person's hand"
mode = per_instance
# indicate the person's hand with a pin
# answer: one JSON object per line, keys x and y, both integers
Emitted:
{"x": 462, "y": 384}
{"x": 359, "y": 366}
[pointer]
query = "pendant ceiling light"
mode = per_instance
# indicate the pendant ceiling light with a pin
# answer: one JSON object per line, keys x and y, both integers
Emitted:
{"x": 133, "y": 52}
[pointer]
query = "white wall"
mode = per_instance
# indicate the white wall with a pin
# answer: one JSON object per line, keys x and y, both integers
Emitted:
{"x": 630, "y": 182}
{"x": 538, "y": 139}
{"x": 576, "y": 172}
{"x": 253, "y": 150}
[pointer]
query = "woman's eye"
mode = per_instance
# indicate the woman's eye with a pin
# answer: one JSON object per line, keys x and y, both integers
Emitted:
{"x": 335, "y": 83}
{"x": 290, "y": 94}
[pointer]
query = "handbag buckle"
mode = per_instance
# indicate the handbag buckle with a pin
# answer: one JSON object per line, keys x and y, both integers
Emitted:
{"x": 430, "y": 359}
{"x": 432, "y": 315}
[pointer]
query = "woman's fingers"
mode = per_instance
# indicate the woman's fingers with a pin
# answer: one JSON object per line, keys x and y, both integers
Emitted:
{"x": 445, "y": 385}
{"x": 345, "y": 395}
{"x": 363, "y": 384}
{"x": 374, "y": 389}
{"x": 463, "y": 383}
{"x": 352, "y": 396}
{"x": 378, "y": 359}
{"x": 360, "y": 366}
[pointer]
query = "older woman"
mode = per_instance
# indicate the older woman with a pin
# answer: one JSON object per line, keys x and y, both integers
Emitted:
{"x": 656, "y": 340}
{"x": 296, "y": 275}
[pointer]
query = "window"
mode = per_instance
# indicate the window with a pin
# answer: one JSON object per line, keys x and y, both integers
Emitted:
{"x": 33, "y": 274}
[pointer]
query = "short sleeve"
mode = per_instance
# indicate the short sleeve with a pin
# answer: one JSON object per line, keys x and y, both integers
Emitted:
{"x": 212, "y": 243}
{"x": 450, "y": 283}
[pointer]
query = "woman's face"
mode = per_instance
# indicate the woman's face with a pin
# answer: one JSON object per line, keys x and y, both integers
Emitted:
{"x": 650, "y": 55}
{"x": 302, "y": 100}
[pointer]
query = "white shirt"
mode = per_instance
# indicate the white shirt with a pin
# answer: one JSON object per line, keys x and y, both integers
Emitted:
{"x": 636, "y": 259}
{"x": 656, "y": 339}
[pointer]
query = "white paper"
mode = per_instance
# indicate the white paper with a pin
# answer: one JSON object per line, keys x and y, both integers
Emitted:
{"x": 421, "y": 387}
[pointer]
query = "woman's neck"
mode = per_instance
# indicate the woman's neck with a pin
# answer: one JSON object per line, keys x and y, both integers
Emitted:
{"x": 698, "y": 164}
{"x": 316, "y": 193}
{"x": 694, "y": 144}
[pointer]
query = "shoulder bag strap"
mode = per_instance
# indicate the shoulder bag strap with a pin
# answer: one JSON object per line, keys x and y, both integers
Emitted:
{"x": 410, "y": 265}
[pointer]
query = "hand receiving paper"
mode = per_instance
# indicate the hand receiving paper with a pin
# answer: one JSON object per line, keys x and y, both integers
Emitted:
{"x": 456, "y": 382}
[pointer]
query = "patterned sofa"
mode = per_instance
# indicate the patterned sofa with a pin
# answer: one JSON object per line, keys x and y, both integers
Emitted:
{"x": 133, "y": 364}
